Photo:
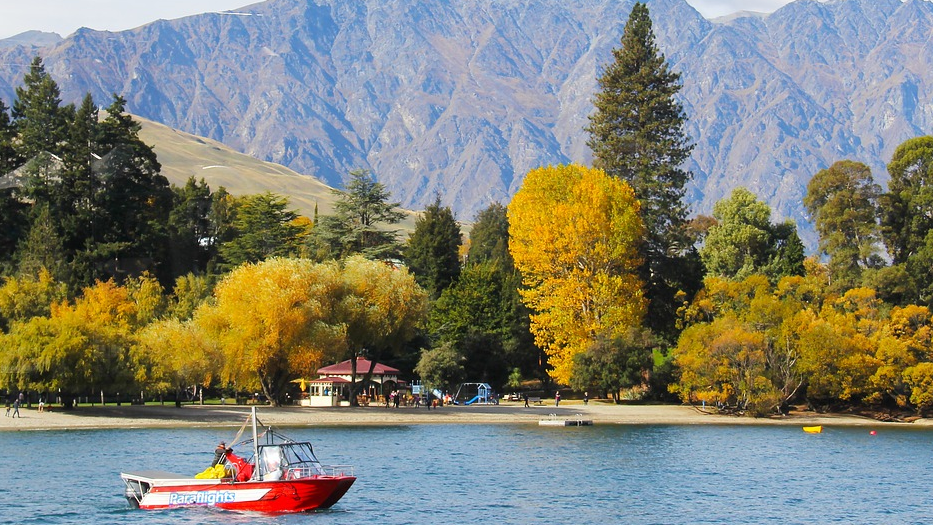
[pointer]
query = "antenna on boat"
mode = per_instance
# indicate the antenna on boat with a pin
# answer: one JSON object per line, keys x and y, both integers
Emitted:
{"x": 255, "y": 439}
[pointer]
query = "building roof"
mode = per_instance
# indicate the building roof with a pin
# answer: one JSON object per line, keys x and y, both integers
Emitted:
{"x": 362, "y": 366}
{"x": 335, "y": 380}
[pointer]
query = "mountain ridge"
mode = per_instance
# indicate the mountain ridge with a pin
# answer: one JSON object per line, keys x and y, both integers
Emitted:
{"x": 460, "y": 99}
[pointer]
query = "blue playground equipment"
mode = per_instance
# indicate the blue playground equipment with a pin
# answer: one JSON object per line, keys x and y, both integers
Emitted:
{"x": 484, "y": 394}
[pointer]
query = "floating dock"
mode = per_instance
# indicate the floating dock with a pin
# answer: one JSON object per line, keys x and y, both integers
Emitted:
{"x": 554, "y": 421}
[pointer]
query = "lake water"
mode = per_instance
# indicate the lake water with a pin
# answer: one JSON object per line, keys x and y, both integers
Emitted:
{"x": 507, "y": 474}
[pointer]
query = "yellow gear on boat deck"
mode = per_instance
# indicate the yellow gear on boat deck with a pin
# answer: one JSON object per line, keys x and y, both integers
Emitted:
{"x": 218, "y": 471}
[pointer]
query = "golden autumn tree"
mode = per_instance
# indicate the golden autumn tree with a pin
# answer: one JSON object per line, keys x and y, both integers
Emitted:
{"x": 380, "y": 307}
{"x": 271, "y": 322}
{"x": 574, "y": 236}
{"x": 172, "y": 355}
{"x": 82, "y": 347}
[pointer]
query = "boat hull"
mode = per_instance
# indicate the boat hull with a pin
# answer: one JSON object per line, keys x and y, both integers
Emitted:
{"x": 300, "y": 495}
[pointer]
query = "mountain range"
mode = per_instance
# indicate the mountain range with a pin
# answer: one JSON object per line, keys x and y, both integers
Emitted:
{"x": 461, "y": 98}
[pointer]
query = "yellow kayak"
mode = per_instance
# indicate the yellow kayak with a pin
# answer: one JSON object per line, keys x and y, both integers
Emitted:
{"x": 813, "y": 430}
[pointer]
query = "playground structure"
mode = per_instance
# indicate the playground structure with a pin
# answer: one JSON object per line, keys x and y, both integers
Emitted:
{"x": 484, "y": 394}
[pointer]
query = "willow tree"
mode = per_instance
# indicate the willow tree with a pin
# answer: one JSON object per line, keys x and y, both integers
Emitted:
{"x": 637, "y": 135}
{"x": 272, "y": 321}
{"x": 575, "y": 235}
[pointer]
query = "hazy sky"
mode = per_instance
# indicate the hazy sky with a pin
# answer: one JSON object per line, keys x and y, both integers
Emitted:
{"x": 65, "y": 16}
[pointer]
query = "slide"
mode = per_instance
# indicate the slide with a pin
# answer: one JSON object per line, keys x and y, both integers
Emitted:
{"x": 474, "y": 400}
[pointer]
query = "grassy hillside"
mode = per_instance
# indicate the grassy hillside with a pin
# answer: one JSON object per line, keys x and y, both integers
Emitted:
{"x": 183, "y": 155}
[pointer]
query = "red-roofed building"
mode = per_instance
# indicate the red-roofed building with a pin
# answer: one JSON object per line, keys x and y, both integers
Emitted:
{"x": 332, "y": 388}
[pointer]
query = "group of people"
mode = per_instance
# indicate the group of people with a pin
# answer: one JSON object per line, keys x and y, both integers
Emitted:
{"x": 17, "y": 402}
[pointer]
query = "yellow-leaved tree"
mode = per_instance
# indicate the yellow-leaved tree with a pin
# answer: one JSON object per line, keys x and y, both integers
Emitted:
{"x": 271, "y": 321}
{"x": 574, "y": 236}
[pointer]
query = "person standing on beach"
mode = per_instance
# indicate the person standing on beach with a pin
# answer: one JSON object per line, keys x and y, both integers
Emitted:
{"x": 586, "y": 398}
{"x": 8, "y": 408}
{"x": 16, "y": 409}
{"x": 557, "y": 399}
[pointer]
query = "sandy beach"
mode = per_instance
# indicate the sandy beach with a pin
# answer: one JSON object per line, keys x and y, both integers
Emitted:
{"x": 168, "y": 416}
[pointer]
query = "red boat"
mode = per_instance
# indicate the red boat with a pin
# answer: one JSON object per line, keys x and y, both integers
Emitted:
{"x": 285, "y": 477}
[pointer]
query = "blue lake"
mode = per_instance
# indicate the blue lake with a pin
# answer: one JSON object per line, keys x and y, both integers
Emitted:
{"x": 507, "y": 474}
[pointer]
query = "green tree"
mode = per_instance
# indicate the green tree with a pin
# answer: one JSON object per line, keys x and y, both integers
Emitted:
{"x": 637, "y": 135}
{"x": 263, "y": 227}
{"x": 14, "y": 222}
{"x": 442, "y": 367}
{"x": 743, "y": 242}
{"x": 433, "y": 250}
{"x": 843, "y": 201}
{"x": 41, "y": 122}
{"x": 359, "y": 224}
{"x": 489, "y": 237}
{"x": 191, "y": 229}
{"x": 907, "y": 220}
{"x": 611, "y": 366}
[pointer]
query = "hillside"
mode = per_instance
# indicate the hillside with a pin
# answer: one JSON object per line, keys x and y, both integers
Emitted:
{"x": 183, "y": 155}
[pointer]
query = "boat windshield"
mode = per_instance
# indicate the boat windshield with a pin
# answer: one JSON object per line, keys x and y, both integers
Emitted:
{"x": 288, "y": 459}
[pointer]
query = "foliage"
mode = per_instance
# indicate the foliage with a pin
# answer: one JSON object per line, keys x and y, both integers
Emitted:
{"x": 637, "y": 135}
{"x": 610, "y": 366}
{"x": 22, "y": 298}
{"x": 361, "y": 215}
{"x": 843, "y": 202}
{"x": 263, "y": 227}
{"x": 574, "y": 238}
{"x": 907, "y": 219}
{"x": 441, "y": 367}
{"x": 743, "y": 242}
{"x": 489, "y": 236}
{"x": 432, "y": 253}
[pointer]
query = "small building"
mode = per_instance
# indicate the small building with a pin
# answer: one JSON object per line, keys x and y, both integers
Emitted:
{"x": 332, "y": 387}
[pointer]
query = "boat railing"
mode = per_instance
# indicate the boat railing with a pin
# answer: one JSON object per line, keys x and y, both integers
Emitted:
{"x": 312, "y": 471}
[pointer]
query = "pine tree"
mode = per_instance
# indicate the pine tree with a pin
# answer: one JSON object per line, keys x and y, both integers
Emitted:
{"x": 37, "y": 113}
{"x": 637, "y": 135}
{"x": 433, "y": 251}
{"x": 358, "y": 225}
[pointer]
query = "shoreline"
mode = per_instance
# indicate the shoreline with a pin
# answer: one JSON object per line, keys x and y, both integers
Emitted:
{"x": 217, "y": 416}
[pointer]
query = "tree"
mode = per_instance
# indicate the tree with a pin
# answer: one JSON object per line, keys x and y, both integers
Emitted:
{"x": 172, "y": 355}
{"x": 575, "y": 235}
{"x": 743, "y": 242}
{"x": 843, "y": 200}
{"x": 191, "y": 229}
{"x": 637, "y": 135}
{"x": 907, "y": 221}
{"x": 358, "y": 225}
{"x": 433, "y": 251}
{"x": 272, "y": 322}
{"x": 381, "y": 307}
{"x": 489, "y": 237}
{"x": 441, "y": 368}
{"x": 40, "y": 121}
{"x": 263, "y": 227}
{"x": 611, "y": 366}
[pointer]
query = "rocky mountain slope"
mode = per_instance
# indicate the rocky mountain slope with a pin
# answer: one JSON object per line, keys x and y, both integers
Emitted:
{"x": 461, "y": 98}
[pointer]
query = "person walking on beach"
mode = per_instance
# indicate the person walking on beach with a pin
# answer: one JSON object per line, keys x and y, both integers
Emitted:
{"x": 16, "y": 409}
{"x": 557, "y": 399}
{"x": 525, "y": 398}
{"x": 586, "y": 398}
{"x": 8, "y": 408}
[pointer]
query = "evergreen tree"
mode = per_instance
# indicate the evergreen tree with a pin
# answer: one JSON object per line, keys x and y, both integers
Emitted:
{"x": 190, "y": 228}
{"x": 14, "y": 221}
{"x": 433, "y": 251}
{"x": 489, "y": 237}
{"x": 41, "y": 122}
{"x": 358, "y": 223}
{"x": 637, "y": 135}
{"x": 263, "y": 227}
